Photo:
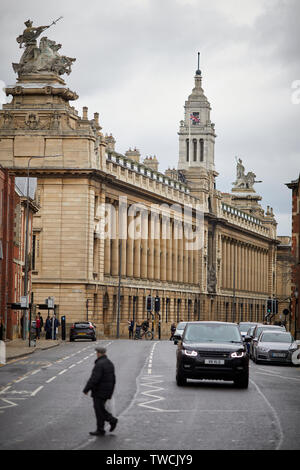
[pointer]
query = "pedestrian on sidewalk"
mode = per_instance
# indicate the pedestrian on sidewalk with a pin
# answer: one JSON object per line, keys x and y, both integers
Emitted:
{"x": 38, "y": 327}
{"x": 48, "y": 327}
{"x": 102, "y": 384}
{"x": 42, "y": 321}
{"x": 54, "y": 326}
{"x": 130, "y": 328}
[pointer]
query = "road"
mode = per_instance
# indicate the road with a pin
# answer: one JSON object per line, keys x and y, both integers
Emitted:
{"x": 42, "y": 405}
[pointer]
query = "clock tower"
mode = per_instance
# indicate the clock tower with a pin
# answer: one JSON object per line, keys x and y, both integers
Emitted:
{"x": 197, "y": 138}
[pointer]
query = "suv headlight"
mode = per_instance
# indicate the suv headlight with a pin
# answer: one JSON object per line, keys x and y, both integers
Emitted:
{"x": 190, "y": 353}
{"x": 263, "y": 349}
{"x": 238, "y": 354}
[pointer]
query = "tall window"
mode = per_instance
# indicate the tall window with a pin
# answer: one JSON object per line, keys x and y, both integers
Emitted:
{"x": 187, "y": 150}
{"x": 201, "y": 150}
{"x": 201, "y": 142}
{"x": 194, "y": 150}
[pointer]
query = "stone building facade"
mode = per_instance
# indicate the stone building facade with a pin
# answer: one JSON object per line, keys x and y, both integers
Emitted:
{"x": 228, "y": 275}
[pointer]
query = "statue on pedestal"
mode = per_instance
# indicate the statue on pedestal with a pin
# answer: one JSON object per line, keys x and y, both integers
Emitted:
{"x": 42, "y": 58}
{"x": 243, "y": 181}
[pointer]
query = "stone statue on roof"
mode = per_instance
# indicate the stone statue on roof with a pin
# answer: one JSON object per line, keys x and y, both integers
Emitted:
{"x": 42, "y": 58}
{"x": 243, "y": 181}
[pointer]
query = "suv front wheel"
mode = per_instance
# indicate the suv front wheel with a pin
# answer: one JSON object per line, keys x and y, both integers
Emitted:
{"x": 242, "y": 381}
{"x": 180, "y": 380}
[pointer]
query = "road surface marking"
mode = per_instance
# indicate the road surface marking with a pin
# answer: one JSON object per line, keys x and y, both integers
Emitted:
{"x": 62, "y": 371}
{"x": 50, "y": 380}
{"x": 37, "y": 391}
{"x": 35, "y": 371}
{"x": 279, "y": 376}
{"x": 73, "y": 365}
{"x": 277, "y": 420}
{"x": 4, "y": 390}
{"x": 20, "y": 380}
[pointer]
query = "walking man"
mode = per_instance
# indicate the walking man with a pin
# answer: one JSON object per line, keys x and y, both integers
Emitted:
{"x": 102, "y": 384}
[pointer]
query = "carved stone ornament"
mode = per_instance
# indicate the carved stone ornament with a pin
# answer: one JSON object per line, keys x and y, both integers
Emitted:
{"x": 32, "y": 121}
{"x": 8, "y": 121}
{"x": 42, "y": 58}
{"x": 211, "y": 280}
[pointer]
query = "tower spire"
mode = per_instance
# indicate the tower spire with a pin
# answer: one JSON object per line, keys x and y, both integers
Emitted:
{"x": 198, "y": 71}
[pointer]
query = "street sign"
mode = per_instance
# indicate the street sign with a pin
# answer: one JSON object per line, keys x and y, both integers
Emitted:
{"x": 24, "y": 301}
{"x": 50, "y": 302}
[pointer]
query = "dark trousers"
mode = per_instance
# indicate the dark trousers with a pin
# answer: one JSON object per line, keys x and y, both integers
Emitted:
{"x": 102, "y": 414}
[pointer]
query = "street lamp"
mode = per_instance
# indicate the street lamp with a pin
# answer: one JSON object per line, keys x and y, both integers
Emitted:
{"x": 26, "y": 246}
{"x": 296, "y": 294}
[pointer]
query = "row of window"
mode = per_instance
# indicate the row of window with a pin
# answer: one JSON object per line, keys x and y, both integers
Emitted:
{"x": 194, "y": 150}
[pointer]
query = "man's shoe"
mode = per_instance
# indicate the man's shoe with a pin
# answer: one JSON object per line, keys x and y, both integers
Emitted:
{"x": 97, "y": 433}
{"x": 113, "y": 424}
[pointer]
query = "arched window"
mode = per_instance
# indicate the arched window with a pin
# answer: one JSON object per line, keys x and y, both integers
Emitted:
{"x": 187, "y": 150}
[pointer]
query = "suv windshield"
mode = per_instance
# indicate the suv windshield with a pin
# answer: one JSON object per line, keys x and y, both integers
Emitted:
{"x": 181, "y": 326}
{"x": 198, "y": 333}
{"x": 276, "y": 338}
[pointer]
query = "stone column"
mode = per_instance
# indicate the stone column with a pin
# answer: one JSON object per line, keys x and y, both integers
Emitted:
{"x": 163, "y": 259}
{"x": 107, "y": 260}
{"x": 195, "y": 254}
{"x": 180, "y": 253}
{"x": 175, "y": 251}
{"x": 130, "y": 247}
{"x": 190, "y": 259}
{"x": 137, "y": 248}
{"x": 223, "y": 262}
{"x": 123, "y": 240}
{"x": 170, "y": 252}
{"x": 157, "y": 248}
{"x": 150, "y": 263}
{"x": 144, "y": 244}
{"x": 228, "y": 265}
{"x": 115, "y": 243}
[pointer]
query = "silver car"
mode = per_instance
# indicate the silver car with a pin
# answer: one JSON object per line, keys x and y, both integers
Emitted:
{"x": 256, "y": 333}
{"x": 275, "y": 346}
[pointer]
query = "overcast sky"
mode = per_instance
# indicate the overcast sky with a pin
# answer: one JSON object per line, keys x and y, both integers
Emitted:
{"x": 135, "y": 65}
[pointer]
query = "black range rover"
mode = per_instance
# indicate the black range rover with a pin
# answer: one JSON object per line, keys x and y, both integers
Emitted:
{"x": 212, "y": 350}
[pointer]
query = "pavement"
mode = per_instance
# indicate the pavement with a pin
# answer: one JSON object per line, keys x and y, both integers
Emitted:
{"x": 42, "y": 405}
{"x": 18, "y": 347}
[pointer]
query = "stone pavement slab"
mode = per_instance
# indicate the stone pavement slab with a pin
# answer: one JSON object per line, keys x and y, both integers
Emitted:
{"x": 18, "y": 347}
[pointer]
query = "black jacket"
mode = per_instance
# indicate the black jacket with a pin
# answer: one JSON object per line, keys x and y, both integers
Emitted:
{"x": 102, "y": 381}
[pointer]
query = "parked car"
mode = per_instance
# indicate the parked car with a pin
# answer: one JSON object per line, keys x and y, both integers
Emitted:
{"x": 83, "y": 330}
{"x": 275, "y": 346}
{"x": 257, "y": 331}
{"x": 212, "y": 350}
{"x": 179, "y": 331}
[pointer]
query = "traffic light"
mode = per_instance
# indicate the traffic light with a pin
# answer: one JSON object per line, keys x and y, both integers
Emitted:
{"x": 157, "y": 304}
{"x": 149, "y": 304}
{"x": 269, "y": 305}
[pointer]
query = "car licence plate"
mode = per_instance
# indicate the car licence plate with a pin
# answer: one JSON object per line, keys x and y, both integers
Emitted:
{"x": 216, "y": 362}
{"x": 278, "y": 355}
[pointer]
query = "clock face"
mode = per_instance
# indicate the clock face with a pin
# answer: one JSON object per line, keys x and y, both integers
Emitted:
{"x": 195, "y": 118}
